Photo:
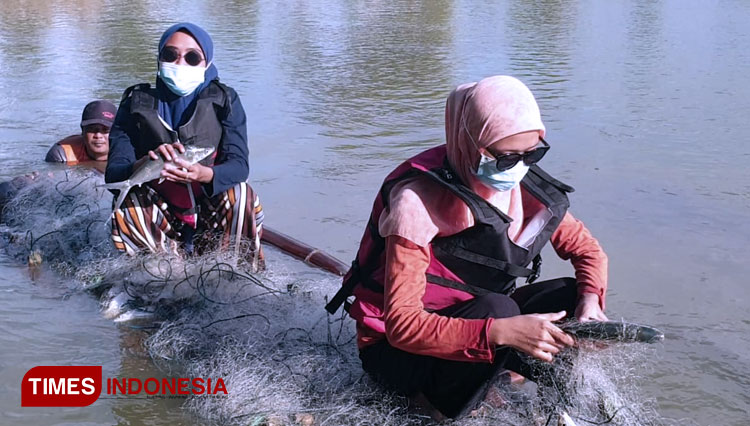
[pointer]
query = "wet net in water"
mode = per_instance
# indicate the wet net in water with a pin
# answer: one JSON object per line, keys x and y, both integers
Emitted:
{"x": 284, "y": 360}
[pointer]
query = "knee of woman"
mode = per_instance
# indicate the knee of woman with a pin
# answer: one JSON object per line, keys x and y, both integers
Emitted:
{"x": 497, "y": 305}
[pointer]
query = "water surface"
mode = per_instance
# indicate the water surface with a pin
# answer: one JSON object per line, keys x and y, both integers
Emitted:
{"x": 645, "y": 102}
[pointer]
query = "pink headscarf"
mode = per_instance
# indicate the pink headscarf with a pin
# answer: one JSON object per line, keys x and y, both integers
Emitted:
{"x": 476, "y": 116}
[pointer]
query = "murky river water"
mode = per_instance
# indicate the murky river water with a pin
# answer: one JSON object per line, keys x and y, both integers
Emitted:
{"x": 646, "y": 105}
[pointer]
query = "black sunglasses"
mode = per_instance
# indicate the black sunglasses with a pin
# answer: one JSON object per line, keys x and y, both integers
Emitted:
{"x": 507, "y": 161}
{"x": 171, "y": 54}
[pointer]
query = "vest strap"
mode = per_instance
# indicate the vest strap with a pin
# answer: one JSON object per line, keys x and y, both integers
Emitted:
{"x": 357, "y": 274}
{"x": 537, "y": 268}
{"x": 346, "y": 289}
{"x": 508, "y": 268}
{"x": 468, "y": 288}
{"x": 546, "y": 176}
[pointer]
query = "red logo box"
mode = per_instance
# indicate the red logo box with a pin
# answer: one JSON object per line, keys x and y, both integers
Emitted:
{"x": 61, "y": 386}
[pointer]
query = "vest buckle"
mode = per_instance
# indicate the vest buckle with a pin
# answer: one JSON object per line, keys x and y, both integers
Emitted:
{"x": 536, "y": 268}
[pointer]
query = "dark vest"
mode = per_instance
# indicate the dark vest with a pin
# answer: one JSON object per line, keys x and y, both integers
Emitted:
{"x": 203, "y": 128}
{"x": 483, "y": 257}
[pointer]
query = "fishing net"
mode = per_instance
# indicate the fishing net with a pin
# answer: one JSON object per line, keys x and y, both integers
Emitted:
{"x": 283, "y": 359}
{"x": 59, "y": 217}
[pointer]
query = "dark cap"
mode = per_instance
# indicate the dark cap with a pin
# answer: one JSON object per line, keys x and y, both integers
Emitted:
{"x": 99, "y": 112}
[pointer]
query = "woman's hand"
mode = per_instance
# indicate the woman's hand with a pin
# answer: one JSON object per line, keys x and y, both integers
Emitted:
{"x": 183, "y": 172}
{"x": 534, "y": 334}
{"x": 167, "y": 152}
{"x": 588, "y": 308}
{"x": 175, "y": 168}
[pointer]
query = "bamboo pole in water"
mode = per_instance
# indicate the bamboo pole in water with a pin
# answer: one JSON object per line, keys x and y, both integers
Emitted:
{"x": 302, "y": 251}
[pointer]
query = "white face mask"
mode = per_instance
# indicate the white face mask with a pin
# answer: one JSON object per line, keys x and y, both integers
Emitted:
{"x": 488, "y": 174}
{"x": 181, "y": 79}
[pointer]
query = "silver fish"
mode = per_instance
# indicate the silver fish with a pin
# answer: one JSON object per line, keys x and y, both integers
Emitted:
{"x": 151, "y": 170}
{"x": 613, "y": 331}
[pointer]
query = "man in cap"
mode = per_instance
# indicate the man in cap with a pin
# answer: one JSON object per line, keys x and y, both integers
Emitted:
{"x": 91, "y": 145}
{"x": 93, "y": 142}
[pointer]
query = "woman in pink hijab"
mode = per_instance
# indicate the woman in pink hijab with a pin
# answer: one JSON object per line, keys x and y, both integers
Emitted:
{"x": 454, "y": 232}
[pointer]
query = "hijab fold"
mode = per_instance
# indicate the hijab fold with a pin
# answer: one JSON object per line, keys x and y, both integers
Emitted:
{"x": 175, "y": 109}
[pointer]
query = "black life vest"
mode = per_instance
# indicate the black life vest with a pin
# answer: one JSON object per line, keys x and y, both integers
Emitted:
{"x": 482, "y": 257}
{"x": 202, "y": 129}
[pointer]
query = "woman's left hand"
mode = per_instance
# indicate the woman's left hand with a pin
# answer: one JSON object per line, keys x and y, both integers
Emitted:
{"x": 588, "y": 308}
{"x": 186, "y": 173}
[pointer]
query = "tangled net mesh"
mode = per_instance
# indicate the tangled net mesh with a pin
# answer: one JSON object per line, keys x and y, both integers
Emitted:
{"x": 283, "y": 359}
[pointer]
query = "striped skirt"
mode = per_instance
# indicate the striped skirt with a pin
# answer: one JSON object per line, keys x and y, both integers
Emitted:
{"x": 231, "y": 220}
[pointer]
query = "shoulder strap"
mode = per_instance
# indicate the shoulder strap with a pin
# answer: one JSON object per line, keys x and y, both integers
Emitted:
{"x": 549, "y": 179}
{"x": 547, "y": 189}
{"x": 218, "y": 93}
{"x": 131, "y": 89}
{"x": 142, "y": 98}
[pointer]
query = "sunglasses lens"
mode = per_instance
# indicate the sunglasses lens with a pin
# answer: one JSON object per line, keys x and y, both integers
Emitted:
{"x": 534, "y": 156}
{"x": 168, "y": 54}
{"x": 193, "y": 58}
{"x": 507, "y": 161}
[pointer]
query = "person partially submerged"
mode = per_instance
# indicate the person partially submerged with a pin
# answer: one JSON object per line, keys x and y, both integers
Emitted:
{"x": 452, "y": 230}
{"x": 90, "y": 147}
{"x": 92, "y": 144}
{"x": 205, "y": 202}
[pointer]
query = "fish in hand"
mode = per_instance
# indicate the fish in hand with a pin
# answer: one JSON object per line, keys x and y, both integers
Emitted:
{"x": 151, "y": 170}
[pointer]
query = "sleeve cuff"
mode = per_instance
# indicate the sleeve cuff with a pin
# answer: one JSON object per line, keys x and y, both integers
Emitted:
{"x": 482, "y": 350}
{"x": 584, "y": 289}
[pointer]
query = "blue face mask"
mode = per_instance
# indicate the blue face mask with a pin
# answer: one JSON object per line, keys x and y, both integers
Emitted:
{"x": 488, "y": 174}
{"x": 181, "y": 79}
